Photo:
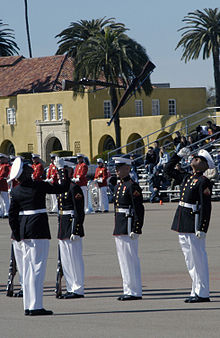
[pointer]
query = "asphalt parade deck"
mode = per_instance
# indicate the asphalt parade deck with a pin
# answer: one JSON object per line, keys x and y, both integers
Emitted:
{"x": 161, "y": 313}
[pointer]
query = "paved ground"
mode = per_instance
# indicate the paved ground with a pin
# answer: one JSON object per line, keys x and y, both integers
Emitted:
{"x": 160, "y": 314}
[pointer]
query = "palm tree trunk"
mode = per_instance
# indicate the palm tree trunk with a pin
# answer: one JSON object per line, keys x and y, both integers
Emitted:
{"x": 114, "y": 100}
{"x": 27, "y": 28}
{"x": 216, "y": 66}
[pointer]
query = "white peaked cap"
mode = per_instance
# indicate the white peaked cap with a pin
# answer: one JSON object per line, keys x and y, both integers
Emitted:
{"x": 122, "y": 160}
{"x": 79, "y": 155}
{"x": 35, "y": 155}
{"x": 16, "y": 169}
{"x": 204, "y": 153}
{"x": 99, "y": 160}
{"x": 3, "y": 155}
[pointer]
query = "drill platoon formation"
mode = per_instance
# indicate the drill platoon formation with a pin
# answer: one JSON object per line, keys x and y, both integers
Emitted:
{"x": 28, "y": 219}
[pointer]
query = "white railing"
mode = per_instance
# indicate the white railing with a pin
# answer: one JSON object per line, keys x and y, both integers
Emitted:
{"x": 189, "y": 123}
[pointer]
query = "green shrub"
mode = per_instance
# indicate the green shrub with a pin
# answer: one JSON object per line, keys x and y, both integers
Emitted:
{"x": 62, "y": 153}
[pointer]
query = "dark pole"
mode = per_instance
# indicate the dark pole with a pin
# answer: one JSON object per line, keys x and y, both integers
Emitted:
{"x": 27, "y": 28}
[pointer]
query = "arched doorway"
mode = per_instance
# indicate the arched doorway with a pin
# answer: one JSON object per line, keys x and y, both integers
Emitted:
{"x": 106, "y": 143}
{"x": 137, "y": 144}
{"x": 53, "y": 144}
{"x": 7, "y": 148}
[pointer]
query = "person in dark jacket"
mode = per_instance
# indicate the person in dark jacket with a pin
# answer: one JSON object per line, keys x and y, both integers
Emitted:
{"x": 70, "y": 234}
{"x": 151, "y": 160}
{"x": 192, "y": 218}
{"x": 157, "y": 182}
{"x": 129, "y": 218}
{"x": 29, "y": 224}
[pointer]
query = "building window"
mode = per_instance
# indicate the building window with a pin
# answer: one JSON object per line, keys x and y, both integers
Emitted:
{"x": 77, "y": 147}
{"x": 30, "y": 147}
{"x": 60, "y": 112}
{"x": 107, "y": 109}
{"x": 11, "y": 116}
{"x": 139, "y": 107}
{"x": 52, "y": 112}
{"x": 172, "y": 106}
{"x": 156, "y": 107}
{"x": 45, "y": 112}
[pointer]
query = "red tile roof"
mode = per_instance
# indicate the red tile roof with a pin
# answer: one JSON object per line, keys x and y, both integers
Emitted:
{"x": 44, "y": 74}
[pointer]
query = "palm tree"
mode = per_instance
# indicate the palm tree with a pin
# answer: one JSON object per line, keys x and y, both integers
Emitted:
{"x": 78, "y": 32}
{"x": 112, "y": 54}
{"x": 27, "y": 27}
{"x": 8, "y": 46}
{"x": 202, "y": 31}
{"x": 107, "y": 52}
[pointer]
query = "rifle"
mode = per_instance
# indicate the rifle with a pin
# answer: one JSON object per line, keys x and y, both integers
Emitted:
{"x": 58, "y": 289}
{"x": 11, "y": 274}
{"x": 196, "y": 213}
{"x": 129, "y": 217}
{"x": 137, "y": 81}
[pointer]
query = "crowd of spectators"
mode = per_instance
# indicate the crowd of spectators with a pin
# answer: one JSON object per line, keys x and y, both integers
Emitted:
{"x": 157, "y": 157}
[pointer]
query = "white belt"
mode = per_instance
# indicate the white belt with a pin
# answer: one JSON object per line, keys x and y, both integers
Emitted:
{"x": 188, "y": 205}
{"x": 32, "y": 212}
{"x": 66, "y": 212}
{"x": 121, "y": 210}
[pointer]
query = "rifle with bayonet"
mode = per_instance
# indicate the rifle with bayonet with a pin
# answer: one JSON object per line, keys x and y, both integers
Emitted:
{"x": 11, "y": 274}
{"x": 58, "y": 289}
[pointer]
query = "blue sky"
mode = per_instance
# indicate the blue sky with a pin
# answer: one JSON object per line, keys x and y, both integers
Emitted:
{"x": 154, "y": 24}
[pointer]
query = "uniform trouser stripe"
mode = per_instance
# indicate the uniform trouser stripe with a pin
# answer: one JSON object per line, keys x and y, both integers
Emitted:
{"x": 197, "y": 263}
{"x": 72, "y": 264}
{"x": 35, "y": 253}
{"x": 127, "y": 251}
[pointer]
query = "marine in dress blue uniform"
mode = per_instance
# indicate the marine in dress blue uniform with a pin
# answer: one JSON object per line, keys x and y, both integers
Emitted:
{"x": 192, "y": 218}
{"x": 129, "y": 218}
{"x": 70, "y": 234}
{"x": 29, "y": 223}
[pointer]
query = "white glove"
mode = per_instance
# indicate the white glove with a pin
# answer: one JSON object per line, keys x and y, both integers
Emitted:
{"x": 100, "y": 180}
{"x": 133, "y": 235}
{"x": 184, "y": 152}
{"x": 74, "y": 237}
{"x": 59, "y": 162}
{"x": 200, "y": 234}
{"x": 77, "y": 179}
{"x": 49, "y": 180}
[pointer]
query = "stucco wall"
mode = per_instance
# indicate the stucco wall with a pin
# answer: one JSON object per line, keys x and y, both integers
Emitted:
{"x": 85, "y": 124}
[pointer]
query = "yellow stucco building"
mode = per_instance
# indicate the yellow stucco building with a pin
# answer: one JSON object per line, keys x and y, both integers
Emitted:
{"x": 41, "y": 118}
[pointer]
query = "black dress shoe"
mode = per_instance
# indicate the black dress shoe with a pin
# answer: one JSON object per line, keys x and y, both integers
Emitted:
{"x": 26, "y": 312}
{"x": 19, "y": 293}
{"x": 128, "y": 297}
{"x": 70, "y": 295}
{"x": 40, "y": 312}
{"x": 198, "y": 299}
{"x": 105, "y": 211}
{"x": 187, "y": 300}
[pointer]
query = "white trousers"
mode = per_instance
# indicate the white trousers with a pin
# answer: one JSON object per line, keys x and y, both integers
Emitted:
{"x": 35, "y": 253}
{"x": 6, "y": 203}
{"x": 54, "y": 206}
{"x": 17, "y": 246}
{"x": 197, "y": 263}
{"x": 85, "y": 194}
{"x": 127, "y": 251}
{"x": 103, "y": 199}
{"x": 72, "y": 264}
